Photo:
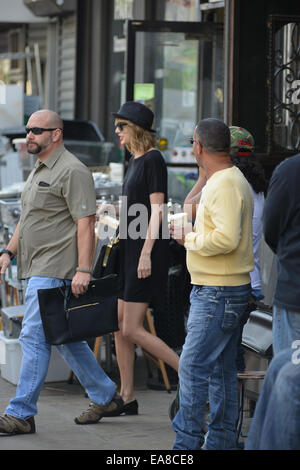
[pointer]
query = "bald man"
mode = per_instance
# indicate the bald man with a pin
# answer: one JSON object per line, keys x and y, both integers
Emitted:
{"x": 54, "y": 241}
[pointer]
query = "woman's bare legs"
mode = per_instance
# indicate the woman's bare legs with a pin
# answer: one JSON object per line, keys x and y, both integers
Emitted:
{"x": 125, "y": 357}
{"x": 132, "y": 331}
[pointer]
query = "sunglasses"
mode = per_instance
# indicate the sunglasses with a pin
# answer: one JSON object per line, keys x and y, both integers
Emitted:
{"x": 121, "y": 125}
{"x": 192, "y": 141}
{"x": 39, "y": 130}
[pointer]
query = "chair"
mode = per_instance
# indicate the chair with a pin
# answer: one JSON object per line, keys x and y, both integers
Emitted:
{"x": 242, "y": 378}
{"x": 149, "y": 325}
{"x": 108, "y": 352}
{"x": 257, "y": 340}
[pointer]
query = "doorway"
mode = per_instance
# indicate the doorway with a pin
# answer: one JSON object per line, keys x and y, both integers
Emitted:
{"x": 176, "y": 69}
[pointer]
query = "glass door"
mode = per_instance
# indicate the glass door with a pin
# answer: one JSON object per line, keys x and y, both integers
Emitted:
{"x": 176, "y": 69}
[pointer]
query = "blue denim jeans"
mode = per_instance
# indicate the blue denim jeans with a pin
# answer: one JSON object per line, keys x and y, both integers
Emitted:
{"x": 36, "y": 357}
{"x": 276, "y": 421}
{"x": 207, "y": 368}
{"x": 285, "y": 327}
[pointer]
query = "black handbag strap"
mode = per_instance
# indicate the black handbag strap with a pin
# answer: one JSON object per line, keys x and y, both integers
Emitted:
{"x": 66, "y": 292}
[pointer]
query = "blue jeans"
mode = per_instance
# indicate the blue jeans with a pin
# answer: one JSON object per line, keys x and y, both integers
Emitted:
{"x": 285, "y": 327}
{"x": 36, "y": 357}
{"x": 276, "y": 421}
{"x": 207, "y": 368}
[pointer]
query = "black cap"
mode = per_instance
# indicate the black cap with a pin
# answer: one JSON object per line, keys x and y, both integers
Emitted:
{"x": 137, "y": 113}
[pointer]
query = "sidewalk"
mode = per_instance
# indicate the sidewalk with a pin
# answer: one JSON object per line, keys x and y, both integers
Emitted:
{"x": 60, "y": 402}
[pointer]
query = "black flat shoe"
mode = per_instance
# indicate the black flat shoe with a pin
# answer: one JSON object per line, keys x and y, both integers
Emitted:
{"x": 130, "y": 408}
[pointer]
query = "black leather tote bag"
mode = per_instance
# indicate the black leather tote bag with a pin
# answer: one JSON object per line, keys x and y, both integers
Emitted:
{"x": 67, "y": 319}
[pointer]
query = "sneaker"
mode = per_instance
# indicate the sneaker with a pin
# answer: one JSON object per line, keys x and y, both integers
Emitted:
{"x": 10, "y": 425}
{"x": 95, "y": 412}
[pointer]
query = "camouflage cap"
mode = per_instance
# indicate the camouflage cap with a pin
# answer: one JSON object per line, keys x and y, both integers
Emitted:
{"x": 241, "y": 139}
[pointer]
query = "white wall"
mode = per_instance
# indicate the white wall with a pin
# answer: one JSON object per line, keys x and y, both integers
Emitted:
{"x": 14, "y": 11}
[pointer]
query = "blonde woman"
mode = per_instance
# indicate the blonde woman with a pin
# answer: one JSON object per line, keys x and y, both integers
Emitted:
{"x": 143, "y": 245}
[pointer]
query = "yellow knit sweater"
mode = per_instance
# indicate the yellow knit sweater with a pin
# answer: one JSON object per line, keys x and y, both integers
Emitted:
{"x": 219, "y": 250}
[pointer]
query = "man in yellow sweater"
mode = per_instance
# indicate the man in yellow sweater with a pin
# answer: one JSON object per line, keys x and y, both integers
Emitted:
{"x": 219, "y": 259}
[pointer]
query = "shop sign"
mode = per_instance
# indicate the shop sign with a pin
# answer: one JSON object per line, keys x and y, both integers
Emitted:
{"x": 119, "y": 44}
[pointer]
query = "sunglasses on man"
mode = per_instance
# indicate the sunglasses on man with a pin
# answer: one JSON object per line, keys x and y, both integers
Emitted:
{"x": 192, "y": 141}
{"x": 40, "y": 130}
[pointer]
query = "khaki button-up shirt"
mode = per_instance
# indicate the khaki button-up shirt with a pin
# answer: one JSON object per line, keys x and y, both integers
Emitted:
{"x": 58, "y": 192}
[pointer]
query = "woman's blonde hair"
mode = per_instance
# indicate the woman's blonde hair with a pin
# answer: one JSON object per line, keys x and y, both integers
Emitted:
{"x": 141, "y": 139}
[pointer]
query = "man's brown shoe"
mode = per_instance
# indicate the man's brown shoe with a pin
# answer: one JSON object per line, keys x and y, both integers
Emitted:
{"x": 95, "y": 412}
{"x": 10, "y": 425}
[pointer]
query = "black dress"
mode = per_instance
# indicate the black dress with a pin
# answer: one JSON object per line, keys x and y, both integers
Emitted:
{"x": 145, "y": 175}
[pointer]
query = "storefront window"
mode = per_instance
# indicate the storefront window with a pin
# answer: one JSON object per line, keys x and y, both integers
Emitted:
{"x": 179, "y": 76}
{"x": 182, "y": 10}
{"x": 123, "y": 9}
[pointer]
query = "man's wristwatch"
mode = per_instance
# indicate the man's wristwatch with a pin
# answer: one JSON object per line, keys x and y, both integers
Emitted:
{"x": 8, "y": 252}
